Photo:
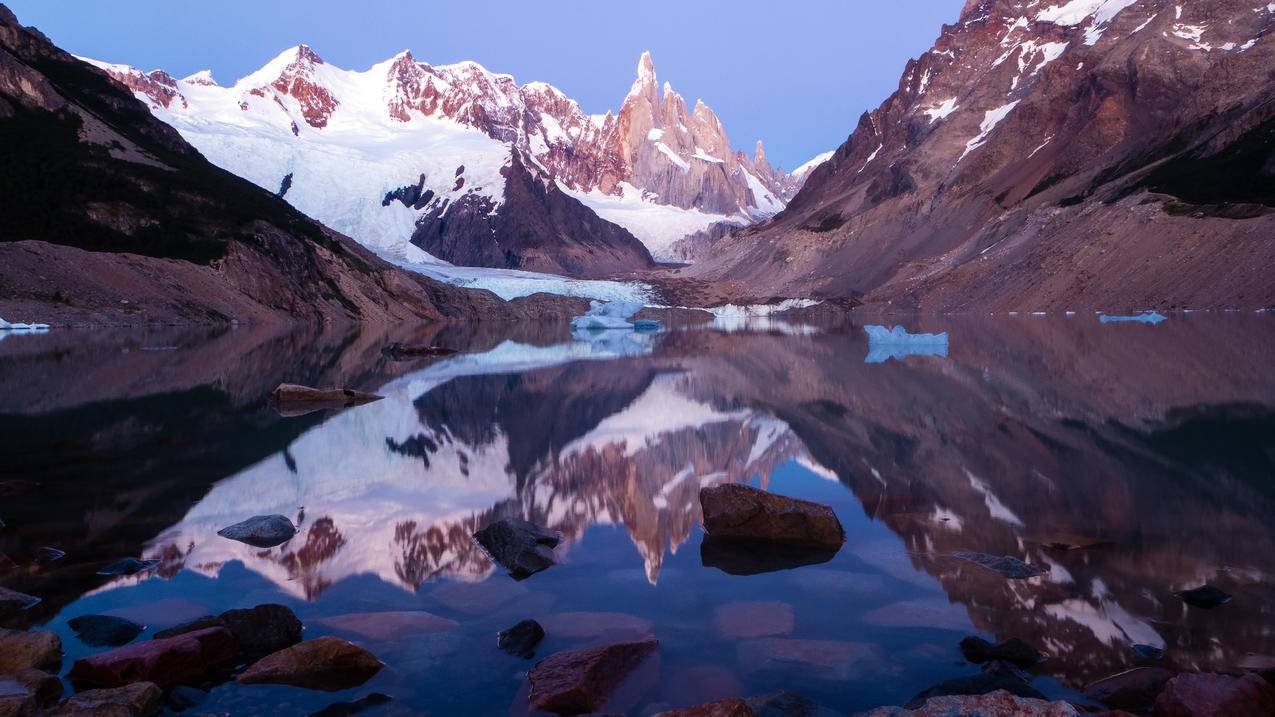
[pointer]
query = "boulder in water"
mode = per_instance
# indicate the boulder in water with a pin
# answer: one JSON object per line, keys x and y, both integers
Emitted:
{"x": 262, "y": 531}
{"x": 104, "y": 630}
{"x": 326, "y": 663}
{"x": 523, "y": 548}
{"x": 737, "y": 512}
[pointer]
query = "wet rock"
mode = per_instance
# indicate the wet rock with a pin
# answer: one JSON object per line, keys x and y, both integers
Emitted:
{"x": 1148, "y": 652}
{"x": 835, "y": 660}
{"x": 1006, "y": 565}
{"x": 787, "y": 704}
{"x": 263, "y": 629}
{"x": 18, "y": 704}
{"x": 753, "y": 619}
{"x": 995, "y": 676}
{"x": 389, "y": 625}
{"x": 742, "y": 512}
{"x": 293, "y": 400}
{"x": 721, "y": 708}
{"x": 521, "y": 639}
{"x": 1206, "y": 597}
{"x": 327, "y": 663}
{"x": 136, "y": 700}
{"x": 994, "y": 704}
{"x": 1134, "y": 689}
{"x": 41, "y": 688}
{"x": 751, "y": 557}
{"x": 182, "y": 698}
{"x": 345, "y": 709}
{"x": 579, "y": 681}
{"x": 104, "y": 630}
{"x": 12, "y": 602}
{"x": 523, "y": 548}
{"x": 22, "y": 650}
{"x": 188, "y": 659}
{"x": 46, "y": 555}
{"x": 1206, "y": 695}
{"x": 398, "y": 350}
{"x": 262, "y": 531}
{"x": 128, "y": 566}
{"x": 202, "y": 623}
{"x": 1013, "y": 650}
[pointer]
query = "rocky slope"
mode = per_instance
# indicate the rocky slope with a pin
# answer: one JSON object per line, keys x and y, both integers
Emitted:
{"x": 1109, "y": 154}
{"x": 338, "y": 144}
{"x": 111, "y": 217}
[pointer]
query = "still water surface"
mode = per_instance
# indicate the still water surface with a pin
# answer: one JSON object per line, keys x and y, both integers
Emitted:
{"x": 1158, "y": 440}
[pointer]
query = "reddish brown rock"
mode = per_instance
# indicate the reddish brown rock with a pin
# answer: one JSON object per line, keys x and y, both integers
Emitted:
{"x": 41, "y": 687}
{"x": 996, "y": 704}
{"x": 388, "y": 625}
{"x": 22, "y": 650}
{"x": 721, "y": 708}
{"x": 1206, "y": 695}
{"x": 744, "y": 513}
{"x": 580, "y": 681}
{"x": 327, "y": 663}
{"x": 136, "y": 700}
{"x": 1134, "y": 689}
{"x": 187, "y": 659}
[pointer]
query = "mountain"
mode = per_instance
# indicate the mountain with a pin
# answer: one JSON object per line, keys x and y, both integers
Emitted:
{"x": 109, "y": 216}
{"x": 453, "y": 162}
{"x": 1105, "y": 154}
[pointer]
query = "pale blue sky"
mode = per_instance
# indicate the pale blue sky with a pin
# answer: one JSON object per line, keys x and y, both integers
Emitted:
{"x": 796, "y": 74}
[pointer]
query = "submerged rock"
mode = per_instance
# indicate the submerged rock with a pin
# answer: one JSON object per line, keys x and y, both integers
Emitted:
{"x": 580, "y": 681}
{"x": 24, "y": 650}
{"x": 136, "y": 700}
{"x": 12, "y": 601}
{"x": 188, "y": 659}
{"x": 753, "y": 619}
{"x": 262, "y": 531}
{"x": 326, "y": 663}
{"x": 1013, "y": 650}
{"x": 202, "y": 623}
{"x": 293, "y": 400}
{"x": 182, "y": 698}
{"x": 345, "y": 709}
{"x": 1205, "y": 596}
{"x": 128, "y": 566}
{"x": 742, "y": 512}
{"x": 733, "y": 707}
{"x": 1006, "y": 565}
{"x": 787, "y": 704}
{"x": 1134, "y": 689}
{"x": 1206, "y": 695}
{"x": 521, "y": 639}
{"x": 523, "y": 548}
{"x": 999, "y": 703}
{"x": 104, "y": 630}
{"x": 389, "y": 625}
{"x": 995, "y": 676}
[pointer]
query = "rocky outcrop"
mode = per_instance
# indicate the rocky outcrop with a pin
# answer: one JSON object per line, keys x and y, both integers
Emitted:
{"x": 1053, "y": 156}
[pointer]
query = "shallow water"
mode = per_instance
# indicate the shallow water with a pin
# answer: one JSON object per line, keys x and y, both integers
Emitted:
{"x": 1158, "y": 440}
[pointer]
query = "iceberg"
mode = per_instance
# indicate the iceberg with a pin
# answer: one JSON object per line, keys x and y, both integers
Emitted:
{"x": 896, "y": 343}
{"x": 1146, "y": 317}
{"x": 7, "y": 328}
{"x": 607, "y": 315}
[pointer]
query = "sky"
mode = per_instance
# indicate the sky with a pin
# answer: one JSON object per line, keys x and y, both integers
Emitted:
{"x": 796, "y": 74}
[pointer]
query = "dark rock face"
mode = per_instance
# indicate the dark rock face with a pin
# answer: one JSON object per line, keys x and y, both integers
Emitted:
{"x": 1013, "y": 651}
{"x": 327, "y": 663}
{"x": 995, "y": 676}
{"x": 183, "y": 660}
{"x": 538, "y": 228}
{"x": 1206, "y": 597}
{"x": 104, "y": 630}
{"x": 1134, "y": 689}
{"x": 263, "y": 629}
{"x": 734, "y": 707}
{"x": 12, "y": 601}
{"x": 22, "y": 650}
{"x": 522, "y": 548}
{"x": 136, "y": 700}
{"x": 744, "y": 513}
{"x": 128, "y": 566}
{"x": 521, "y": 639}
{"x": 1006, "y": 565}
{"x": 262, "y": 531}
{"x": 1206, "y": 695}
{"x": 580, "y": 681}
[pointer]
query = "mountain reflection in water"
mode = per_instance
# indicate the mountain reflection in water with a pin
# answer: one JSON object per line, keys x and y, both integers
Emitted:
{"x": 1156, "y": 443}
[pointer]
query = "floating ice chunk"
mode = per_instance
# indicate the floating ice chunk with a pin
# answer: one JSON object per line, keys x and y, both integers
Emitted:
{"x": 7, "y": 328}
{"x": 603, "y": 316}
{"x": 1147, "y": 317}
{"x": 896, "y": 343}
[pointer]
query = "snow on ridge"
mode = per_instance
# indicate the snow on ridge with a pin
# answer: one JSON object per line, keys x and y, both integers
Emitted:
{"x": 809, "y": 166}
{"x": 945, "y": 108}
{"x": 991, "y": 119}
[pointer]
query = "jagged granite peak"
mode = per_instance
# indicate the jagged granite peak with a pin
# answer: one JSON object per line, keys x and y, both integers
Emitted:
{"x": 1059, "y": 154}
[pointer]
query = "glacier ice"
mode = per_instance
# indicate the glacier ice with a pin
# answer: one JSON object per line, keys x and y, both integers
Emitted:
{"x": 1146, "y": 317}
{"x": 896, "y": 343}
{"x": 7, "y": 328}
{"x": 606, "y": 315}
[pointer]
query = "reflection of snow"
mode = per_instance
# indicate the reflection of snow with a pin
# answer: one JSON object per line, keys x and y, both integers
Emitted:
{"x": 994, "y": 504}
{"x": 896, "y": 343}
{"x": 1149, "y": 317}
{"x": 1107, "y": 620}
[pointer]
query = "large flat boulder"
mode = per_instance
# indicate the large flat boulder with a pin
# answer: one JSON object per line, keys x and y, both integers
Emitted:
{"x": 580, "y": 681}
{"x": 745, "y": 513}
{"x": 188, "y": 659}
{"x": 326, "y": 663}
{"x": 23, "y": 650}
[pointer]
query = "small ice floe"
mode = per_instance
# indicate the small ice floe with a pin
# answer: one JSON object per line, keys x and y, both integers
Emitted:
{"x": 1039, "y": 313}
{"x": 896, "y": 343}
{"x": 605, "y": 316}
{"x": 7, "y": 329}
{"x": 1146, "y": 317}
{"x": 1070, "y": 313}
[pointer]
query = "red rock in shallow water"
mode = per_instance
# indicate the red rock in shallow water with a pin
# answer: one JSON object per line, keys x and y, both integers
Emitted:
{"x": 721, "y": 708}
{"x": 744, "y": 513}
{"x": 187, "y": 659}
{"x": 580, "y": 681}
{"x": 326, "y": 663}
{"x": 1206, "y": 695}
